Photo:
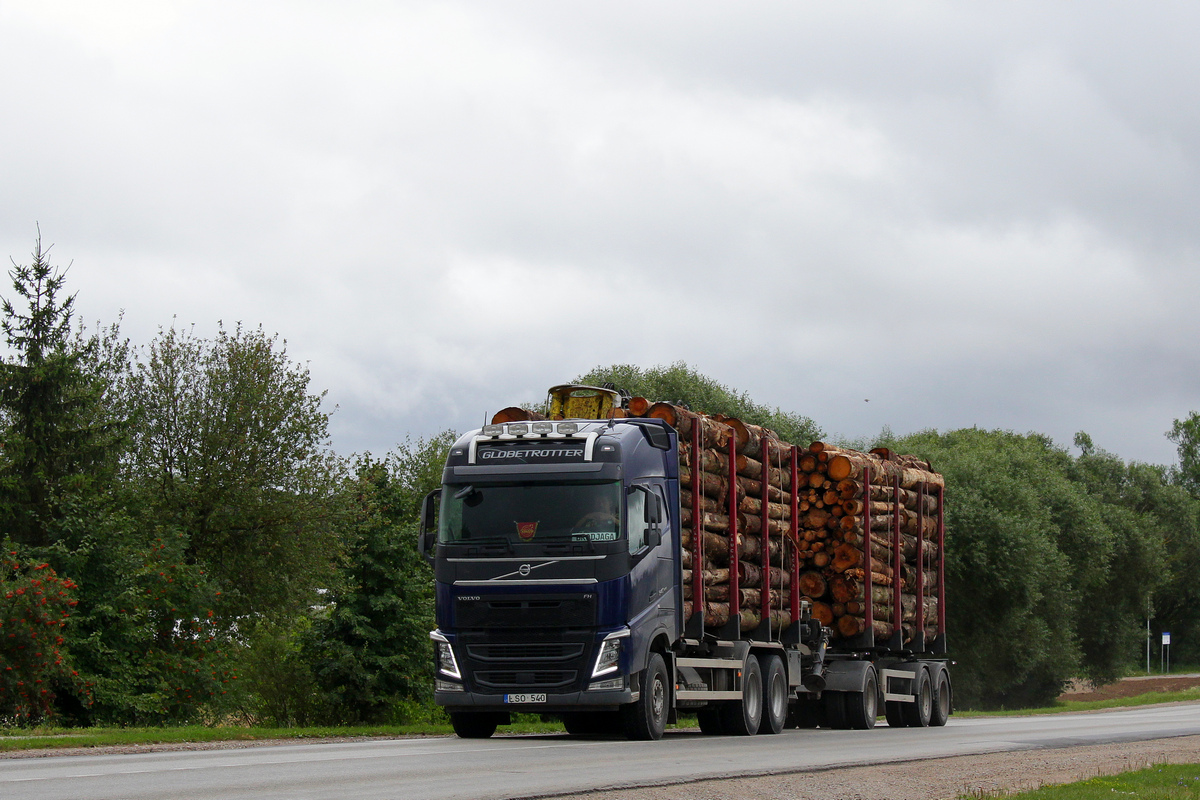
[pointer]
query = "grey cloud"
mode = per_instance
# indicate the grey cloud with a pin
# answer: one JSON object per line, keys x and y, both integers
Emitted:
{"x": 965, "y": 215}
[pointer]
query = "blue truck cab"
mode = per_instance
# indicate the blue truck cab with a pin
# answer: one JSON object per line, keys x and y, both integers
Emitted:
{"x": 554, "y": 554}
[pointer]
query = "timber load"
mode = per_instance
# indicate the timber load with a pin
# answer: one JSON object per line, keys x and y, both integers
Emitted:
{"x": 870, "y": 539}
{"x": 767, "y": 528}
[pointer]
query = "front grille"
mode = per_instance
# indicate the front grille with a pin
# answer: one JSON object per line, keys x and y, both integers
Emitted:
{"x": 512, "y": 679}
{"x": 549, "y": 651}
{"x": 538, "y": 611}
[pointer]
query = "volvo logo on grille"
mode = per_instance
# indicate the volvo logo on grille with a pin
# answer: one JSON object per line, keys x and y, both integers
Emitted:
{"x": 522, "y": 571}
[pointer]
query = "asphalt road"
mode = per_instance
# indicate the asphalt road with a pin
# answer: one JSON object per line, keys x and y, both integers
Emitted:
{"x": 525, "y": 766}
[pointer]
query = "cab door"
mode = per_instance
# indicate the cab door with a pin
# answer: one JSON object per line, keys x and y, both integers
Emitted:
{"x": 652, "y": 550}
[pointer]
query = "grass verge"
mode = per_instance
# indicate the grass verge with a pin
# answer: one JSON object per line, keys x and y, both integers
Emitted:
{"x": 1160, "y": 782}
{"x": 49, "y": 737}
{"x": 1068, "y": 706}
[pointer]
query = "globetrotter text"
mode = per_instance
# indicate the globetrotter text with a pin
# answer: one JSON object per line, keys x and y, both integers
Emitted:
{"x": 576, "y": 453}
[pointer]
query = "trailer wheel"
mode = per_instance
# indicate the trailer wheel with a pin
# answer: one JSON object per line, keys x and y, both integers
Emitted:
{"x": 917, "y": 715}
{"x": 473, "y": 724}
{"x": 862, "y": 708}
{"x": 775, "y": 694}
{"x": 942, "y": 699}
{"x": 710, "y": 721}
{"x": 647, "y": 718}
{"x": 742, "y": 717}
{"x": 894, "y": 713}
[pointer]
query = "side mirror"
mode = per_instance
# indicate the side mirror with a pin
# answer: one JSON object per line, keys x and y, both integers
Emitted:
{"x": 652, "y": 515}
{"x": 427, "y": 538}
{"x": 653, "y": 512}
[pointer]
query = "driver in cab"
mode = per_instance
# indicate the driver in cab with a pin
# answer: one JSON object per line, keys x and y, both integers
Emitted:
{"x": 602, "y": 518}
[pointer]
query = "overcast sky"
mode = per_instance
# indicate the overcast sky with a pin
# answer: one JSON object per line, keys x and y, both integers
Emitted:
{"x": 910, "y": 215}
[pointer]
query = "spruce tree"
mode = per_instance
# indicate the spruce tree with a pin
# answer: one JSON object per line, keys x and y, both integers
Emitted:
{"x": 59, "y": 439}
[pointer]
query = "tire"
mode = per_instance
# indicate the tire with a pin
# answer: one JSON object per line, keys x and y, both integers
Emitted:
{"x": 592, "y": 723}
{"x": 775, "y": 694}
{"x": 862, "y": 708}
{"x": 710, "y": 721}
{"x": 742, "y": 717}
{"x": 917, "y": 715}
{"x": 473, "y": 724}
{"x": 833, "y": 708}
{"x": 943, "y": 699}
{"x": 804, "y": 714}
{"x": 647, "y": 718}
{"x": 894, "y": 712}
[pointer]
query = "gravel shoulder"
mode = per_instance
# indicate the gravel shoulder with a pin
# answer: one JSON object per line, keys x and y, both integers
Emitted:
{"x": 934, "y": 779}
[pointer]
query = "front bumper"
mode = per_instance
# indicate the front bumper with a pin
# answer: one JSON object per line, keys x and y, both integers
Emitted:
{"x": 555, "y": 703}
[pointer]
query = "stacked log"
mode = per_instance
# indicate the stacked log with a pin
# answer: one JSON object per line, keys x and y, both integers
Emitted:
{"x": 865, "y": 533}
{"x": 726, "y": 479}
{"x": 877, "y": 508}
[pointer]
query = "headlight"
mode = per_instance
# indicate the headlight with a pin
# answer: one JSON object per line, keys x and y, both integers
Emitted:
{"x": 542, "y": 427}
{"x": 445, "y": 655}
{"x": 567, "y": 428}
{"x": 610, "y": 684}
{"x": 447, "y": 686}
{"x": 518, "y": 430}
{"x": 607, "y": 658}
{"x": 493, "y": 430}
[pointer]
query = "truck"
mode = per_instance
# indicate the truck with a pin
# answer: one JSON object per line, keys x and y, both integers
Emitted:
{"x": 618, "y": 563}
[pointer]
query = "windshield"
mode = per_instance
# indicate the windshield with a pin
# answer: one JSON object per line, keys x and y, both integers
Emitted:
{"x": 532, "y": 512}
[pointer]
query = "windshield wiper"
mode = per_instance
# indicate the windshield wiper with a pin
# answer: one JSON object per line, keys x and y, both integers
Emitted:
{"x": 571, "y": 546}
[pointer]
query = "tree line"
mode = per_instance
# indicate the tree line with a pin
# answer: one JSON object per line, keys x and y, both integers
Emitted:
{"x": 181, "y": 543}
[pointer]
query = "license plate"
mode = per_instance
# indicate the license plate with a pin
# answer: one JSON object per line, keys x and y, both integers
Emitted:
{"x": 525, "y": 698}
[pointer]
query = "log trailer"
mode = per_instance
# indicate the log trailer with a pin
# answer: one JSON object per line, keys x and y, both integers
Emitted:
{"x": 622, "y": 563}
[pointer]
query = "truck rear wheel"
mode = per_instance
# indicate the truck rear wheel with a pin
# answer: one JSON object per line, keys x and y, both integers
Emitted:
{"x": 647, "y": 718}
{"x": 833, "y": 707}
{"x": 775, "y": 694}
{"x": 473, "y": 724}
{"x": 894, "y": 713}
{"x": 941, "y": 699}
{"x": 918, "y": 714}
{"x": 862, "y": 708}
{"x": 742, "y": 717}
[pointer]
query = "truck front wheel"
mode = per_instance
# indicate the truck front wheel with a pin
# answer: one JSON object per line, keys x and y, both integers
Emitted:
{"x": 592, "y": 723}
{"x": 647, "y": 718}
{"x": 473, "y": 724}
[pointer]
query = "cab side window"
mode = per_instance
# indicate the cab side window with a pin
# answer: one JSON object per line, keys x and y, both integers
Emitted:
{"x": 636, "y": 508}
{"x": 636, "y": 516}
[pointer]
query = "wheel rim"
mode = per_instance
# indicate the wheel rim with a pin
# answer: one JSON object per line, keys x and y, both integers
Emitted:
{"x": 871, "y": 702}
{"x": 943, "y": 695}
{"x": 658, "y": 699}
{"x": 752, "y": 696}
{"x": 926, "y": 700}
{"x": 778, "y": 697}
